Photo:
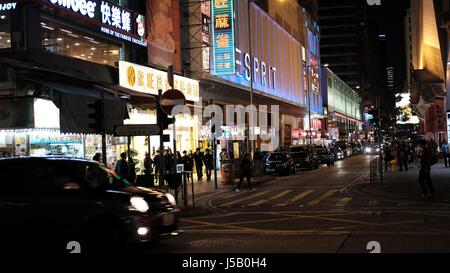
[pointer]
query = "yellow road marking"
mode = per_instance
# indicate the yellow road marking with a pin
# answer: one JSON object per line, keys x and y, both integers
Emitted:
{"x": 245, "y": 198}
{"x": 260, "y": 202}
{"x": 324, "y": 196}
{"x": 301, "y": 195}
{"x": 344, "y": 202}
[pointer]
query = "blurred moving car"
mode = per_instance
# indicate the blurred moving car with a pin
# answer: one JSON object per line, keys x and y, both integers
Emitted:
{"x": 326, "y": 156}
{"x": 279, "y": 163}
{"x": 60, "y": 200}
{"x": 371, "y": 149}
{"x": 304, "y": 156}
{"x": 356, "y": 148}
{"x": 337, "y": 152}
{"x": 345, "y": 147}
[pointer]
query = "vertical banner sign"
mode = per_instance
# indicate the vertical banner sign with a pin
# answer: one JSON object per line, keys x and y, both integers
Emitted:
{"x": 223, "y": 37}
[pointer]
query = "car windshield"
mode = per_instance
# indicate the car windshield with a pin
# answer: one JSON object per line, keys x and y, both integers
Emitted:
{"x": 298, "y": 149}
{"x": 277, "y": 157}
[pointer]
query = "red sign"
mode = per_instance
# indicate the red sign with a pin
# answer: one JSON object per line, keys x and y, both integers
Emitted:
{"x": 296, "y": 133}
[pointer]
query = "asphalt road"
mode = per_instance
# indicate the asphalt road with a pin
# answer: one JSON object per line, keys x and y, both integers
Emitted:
{"x": 312, "y": 211}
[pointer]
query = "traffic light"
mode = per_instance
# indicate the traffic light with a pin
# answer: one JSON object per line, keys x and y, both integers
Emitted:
{"x": 374, "y": 119}
{"x": 97, "y": 116}
{"x": 162, "y": 118}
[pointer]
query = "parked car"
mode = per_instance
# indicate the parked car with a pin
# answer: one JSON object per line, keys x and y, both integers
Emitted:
{"x": 337, "y": 152}
{"x": 279, "y": 163}
{"x": 345, "y": 147}
{"x": 325, "y": 156}
{"x": 304, "y": 156}
{"x": 61, "y": 200}
{"x": 371, "y": 149}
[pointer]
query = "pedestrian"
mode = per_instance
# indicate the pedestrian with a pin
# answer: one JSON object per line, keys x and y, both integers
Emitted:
{"x": 148, "y": 164}
{"x": 157, "y": 162}
{"x": 97, "y": 157}
{"x": 405, "y": 154}
{"x": 426, "y": 161}
{"x": 168, "y": 161}
{"x": 188, "y": 164}
{"x": 122, "y": 168}
{"x": 198, "y": 159}
{"x": 224, "y": 156}
{"x": 387, "y": 156}
{"x": 443, "y": 149}
{"x": 209, "y": 164}
{"x": 132, "y": 170}
{"x": 246, "y": 169}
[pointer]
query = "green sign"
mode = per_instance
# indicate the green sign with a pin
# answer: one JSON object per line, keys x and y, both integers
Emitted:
{"x": 223, "y": 37}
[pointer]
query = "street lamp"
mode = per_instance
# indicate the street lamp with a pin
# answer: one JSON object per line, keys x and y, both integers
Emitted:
{"x": 309, "y": 98}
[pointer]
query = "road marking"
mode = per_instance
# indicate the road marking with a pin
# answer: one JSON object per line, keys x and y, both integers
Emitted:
{"x": 373, "y": 203}
{"x": 260, "y": 202}
{"x": 228, "y": 195}
{"x": 245, "y": 198}
{"x": 301, "y": 195}
{"x": 344, "y": 202}
{"x": 324, "y": 196}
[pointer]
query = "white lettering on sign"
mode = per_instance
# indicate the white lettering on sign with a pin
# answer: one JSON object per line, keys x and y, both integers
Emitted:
{"x": 115, "y": 16}
{"x": 84, "y": 7}
{"x": 8, "y": 6}
{"x": 263, "y": 74}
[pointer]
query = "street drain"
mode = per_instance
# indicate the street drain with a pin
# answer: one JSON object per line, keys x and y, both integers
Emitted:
{"x": 216, "y": 243}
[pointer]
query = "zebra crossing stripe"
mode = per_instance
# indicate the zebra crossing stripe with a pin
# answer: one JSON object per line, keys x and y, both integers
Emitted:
{"x": 344, "y": 202}
{"x": 260, "y": 202}
{"x": 324, "y": 196}
{"x": 245, "y": 198}
{"x": 301, "y": 195}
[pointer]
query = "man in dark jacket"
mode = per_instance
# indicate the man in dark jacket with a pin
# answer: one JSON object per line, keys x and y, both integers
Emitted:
{"x": 209, "y": 164}
{"x": 198, "y": 159}
{"x": 426, "y": 161}
{"x": 188, "y": 164}
{"x": 122, "y": 168}
{"x": 246, "y": 170}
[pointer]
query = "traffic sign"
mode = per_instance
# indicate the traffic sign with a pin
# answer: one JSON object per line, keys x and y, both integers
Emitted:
{"x": 170, "y": 99}
{"x": 137, "y": 130}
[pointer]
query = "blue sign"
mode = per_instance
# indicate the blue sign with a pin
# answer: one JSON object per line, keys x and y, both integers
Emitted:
{"x": 223, "y": 37}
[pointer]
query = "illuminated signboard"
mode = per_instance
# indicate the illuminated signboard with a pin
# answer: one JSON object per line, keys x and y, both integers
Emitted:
{"x": 223, "y": 37}
{"x": 8, "y": 6}
{"x": 149, "y": 80}
{"x": 113, "y": 20}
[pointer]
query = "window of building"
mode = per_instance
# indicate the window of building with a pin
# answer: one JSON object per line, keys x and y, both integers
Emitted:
{"x": 74, "y": 43}
{"x": 5, "y": 31}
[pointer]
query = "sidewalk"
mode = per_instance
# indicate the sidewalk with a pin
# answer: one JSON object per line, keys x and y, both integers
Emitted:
{"x": 405, "y": 186}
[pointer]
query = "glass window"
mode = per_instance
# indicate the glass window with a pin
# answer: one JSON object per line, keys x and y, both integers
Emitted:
{"x": 5, "y": 31}
{"x": 69, "y": 42}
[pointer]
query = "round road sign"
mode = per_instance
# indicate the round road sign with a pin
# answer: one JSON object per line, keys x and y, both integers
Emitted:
{"x": 170, "y": 99}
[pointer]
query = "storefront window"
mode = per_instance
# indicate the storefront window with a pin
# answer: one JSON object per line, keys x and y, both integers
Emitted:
{"x": 70, "y": 42}
{"x": 5, "y": 31}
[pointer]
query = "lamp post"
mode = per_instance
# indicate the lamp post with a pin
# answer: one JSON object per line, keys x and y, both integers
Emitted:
{"x": 250, "y": 141}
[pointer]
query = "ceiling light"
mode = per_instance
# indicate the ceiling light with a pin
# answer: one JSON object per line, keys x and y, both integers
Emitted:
{"x": 59, "y": 39}
{"x": 77, "y": 44}
{"x": 8, "y": 41}
{"x": 95, "y": 42}
{"x": 66, "y": 31}
{"x": 73, "y": 35}
{"x": 67, "y": 46}
{"x": 46, "y": 39}
{"x": 89, "y": 38}
{"x": 82, "y": 55}
{"x": 105, "y": 61}
{"x": 91, "y": 53}
{"x": 3, "y": 16}
{"x": 92, "y": 48}
{"x": 89, "y": 57}
{"x": 48, "y": 27}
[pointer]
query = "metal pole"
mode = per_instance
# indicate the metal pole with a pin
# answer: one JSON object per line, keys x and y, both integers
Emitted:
{"x": 161, "y": 145}
{"x": 309, "y": 103}
{"x": 175, "y": 159}
{"x": 215, "y": 161}
{"x": 379, "y": 139}
{"x": 104, "y": 156}
{"x": 251, "y": 76}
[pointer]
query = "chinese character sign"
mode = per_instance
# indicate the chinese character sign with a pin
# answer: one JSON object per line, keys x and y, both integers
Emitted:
{"x": 223, "y": 37}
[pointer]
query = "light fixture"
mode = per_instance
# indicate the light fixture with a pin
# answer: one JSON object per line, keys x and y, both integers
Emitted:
{"x": 92, "y": 48}
{"x": 8, "y": 41}
{"x": 50, "y": 28}
{"x": 67, "y": 46}
{"x": 3, "y": 16}
{"x": 66, "y": 31}
{"x": 89, "y": 57}
{"x": 46, "y": 39}
{"x": 91, "y": 53}
{"x": 77, "y": 44}
{"x": 59, "y": 39}
{"x": 73, "y": 35}
{"x": 105, "y": 61}
{"x": 326, "y": 65}
{"x": 82, "y": 55}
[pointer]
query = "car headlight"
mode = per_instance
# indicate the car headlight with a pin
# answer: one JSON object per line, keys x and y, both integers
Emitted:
{"x": 171, "y": 199}
{"x": 139, "y": 204}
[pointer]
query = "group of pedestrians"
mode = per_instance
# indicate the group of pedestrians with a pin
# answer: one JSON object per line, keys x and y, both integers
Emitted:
{"x": 425, "y": 153}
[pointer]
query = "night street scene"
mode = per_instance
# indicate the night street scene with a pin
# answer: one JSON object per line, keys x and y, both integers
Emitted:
{"x": 236, "y": 128}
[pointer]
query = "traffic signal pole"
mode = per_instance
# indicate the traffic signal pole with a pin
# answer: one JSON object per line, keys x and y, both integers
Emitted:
{"x": 104, "y": 157}
{"x": 380, "y": 141}
{"x": 161, "y": 141}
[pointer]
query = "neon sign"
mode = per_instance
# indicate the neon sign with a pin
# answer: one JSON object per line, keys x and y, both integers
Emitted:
{"x": 223, "y": 37}
{"x": 85, "y": 8}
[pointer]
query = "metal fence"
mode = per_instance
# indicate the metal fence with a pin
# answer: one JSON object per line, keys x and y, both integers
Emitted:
{"x": 376, "y": 170}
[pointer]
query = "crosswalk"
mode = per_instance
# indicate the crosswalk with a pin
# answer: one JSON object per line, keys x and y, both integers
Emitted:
{"x": 301, "y": 198}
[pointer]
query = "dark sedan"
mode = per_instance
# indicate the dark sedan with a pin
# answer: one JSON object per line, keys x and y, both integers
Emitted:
{"x": 325, "y": 156}
{"x": 62, "y": 200}
{"x": 304, "y": 156}
{"x": 279, "y": 163}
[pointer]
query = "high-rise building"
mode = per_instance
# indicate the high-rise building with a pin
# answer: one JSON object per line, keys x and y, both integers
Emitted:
{"x": 343, "y": 42}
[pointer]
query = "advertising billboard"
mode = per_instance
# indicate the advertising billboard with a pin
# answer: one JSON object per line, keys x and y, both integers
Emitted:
{"x": 164, "y": 35}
